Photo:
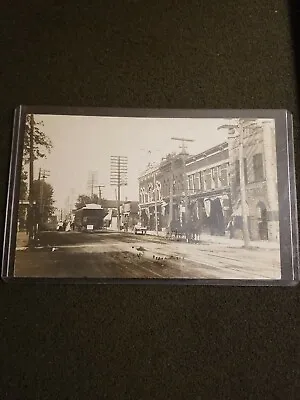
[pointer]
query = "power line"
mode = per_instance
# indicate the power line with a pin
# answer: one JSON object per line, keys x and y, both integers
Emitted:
{"x": 184, "y": 156}
{"x": 100, "y": 191}
{"x": 118, "y": 177}
{"x": 92, "y": 180}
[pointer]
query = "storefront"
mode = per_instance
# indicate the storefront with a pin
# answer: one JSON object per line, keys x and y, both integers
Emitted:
{"x": 213, "y": 212}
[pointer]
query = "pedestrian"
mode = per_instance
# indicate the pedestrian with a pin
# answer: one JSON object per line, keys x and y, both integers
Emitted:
{"x": 230, "y": 228}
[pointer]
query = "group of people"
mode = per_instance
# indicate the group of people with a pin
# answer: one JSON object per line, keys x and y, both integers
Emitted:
{"x": 65, "y": 226}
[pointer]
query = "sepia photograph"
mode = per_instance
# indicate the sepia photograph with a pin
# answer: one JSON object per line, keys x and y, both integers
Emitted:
{"x": 124, "y": 197}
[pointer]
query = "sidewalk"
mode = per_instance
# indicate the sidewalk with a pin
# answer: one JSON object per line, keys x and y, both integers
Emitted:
{"x": 225, "y": 241}
{"x": 263, "y": 244}
{"x": 22, "y": 240}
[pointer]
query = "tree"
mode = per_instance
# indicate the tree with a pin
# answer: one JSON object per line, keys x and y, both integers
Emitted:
{"x": 84, "y": 199}
{"x": 23, "y": 185}
{"x": 23, "y": 196}
{"x": 43, "y": 195}
{"x": 42, "y": 144}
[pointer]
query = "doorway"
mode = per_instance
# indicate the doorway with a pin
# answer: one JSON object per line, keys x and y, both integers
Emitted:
{"x": 262, "y": 221}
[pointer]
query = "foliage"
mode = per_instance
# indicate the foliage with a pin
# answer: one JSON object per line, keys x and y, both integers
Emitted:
{"x": 84, "y": 199}
{"x": 23, "y": 196}
{"x": 42, "y": 144}
{"x": 43, "y": 195}
{"x": 23, "y": 185}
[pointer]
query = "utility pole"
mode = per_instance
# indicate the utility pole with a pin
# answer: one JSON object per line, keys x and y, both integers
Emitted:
{"x": 243, "y": 188}
{"x": 184, "y": 157}
{"x": 92, "y": 181}
{"x": 155, "y": 204}
{"x": 43, "y": 174}
{"x": 237, "y": 131}
{"x": 31, "y": 159}
{"x": 100, "y": 192}
{"x": 171, "y": 196}
{"x": 118, "y": 177}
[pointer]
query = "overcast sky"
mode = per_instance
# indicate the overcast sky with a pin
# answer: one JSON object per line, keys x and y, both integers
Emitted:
{"x": 84, "y": 144}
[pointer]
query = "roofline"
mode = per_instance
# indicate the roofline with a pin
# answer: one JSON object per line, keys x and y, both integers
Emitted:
{"x": 190, "y": 159}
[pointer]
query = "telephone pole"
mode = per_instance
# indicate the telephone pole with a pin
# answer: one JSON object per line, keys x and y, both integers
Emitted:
{"x": 185, "y": 193}
{"x": 171, "y": 196}
{"x": 92, "y": 181}
{"x": 118, "y": 177}
{"x": 43, "y": 174}
{"x": 155, "y": 203}
{"x": 99, "y": 192}
{"x": 237, "y": 131}
{"x": 243, "y": 188}
{"x": 31, "y": 159}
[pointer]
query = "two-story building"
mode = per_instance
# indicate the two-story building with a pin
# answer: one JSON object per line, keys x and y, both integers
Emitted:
{"x": 160, "y": 189}
{"x": 209, "y": 188}
{"x": 206, "y": 190}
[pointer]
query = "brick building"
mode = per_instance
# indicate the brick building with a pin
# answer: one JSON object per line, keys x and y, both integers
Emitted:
{"x": 213, "y": 187}
{"x": 260, "y": 171}
{"x": 209, "y": 188}
{"x": 155, "y": 191}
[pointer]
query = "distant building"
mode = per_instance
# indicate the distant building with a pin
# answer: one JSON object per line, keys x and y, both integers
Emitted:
{"x": 260, "y": 170}
{"x": 111, "y": 210}
{"x": 110, "y": 204}
{"x": 129, "y": 214}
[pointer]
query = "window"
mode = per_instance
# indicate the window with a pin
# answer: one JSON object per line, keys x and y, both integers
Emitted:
{"x": 207, "y": 180}
{"x": 143, "y": 197}
{"x": 215, "y": 178}
{"x": 158, "y": 191}
{"x": 150, "y": 193}
{"x": 189, "y": 182}
{"x": 258, "y": 167}
{"x": 197, "y": 181}
{"x": 193, "y": 181}
{"x": 201, "y": 180}
{"x": 223, "y": 175}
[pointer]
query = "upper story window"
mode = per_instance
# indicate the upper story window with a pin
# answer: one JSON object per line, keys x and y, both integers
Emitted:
{"x": 258, "y": 167}
{"x": 207, "y": 179}
{"x": 223, "y": 174}
{"x": 215, "y": 179}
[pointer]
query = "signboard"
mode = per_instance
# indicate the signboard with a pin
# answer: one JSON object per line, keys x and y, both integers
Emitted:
{"x": 90, "y": 227}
